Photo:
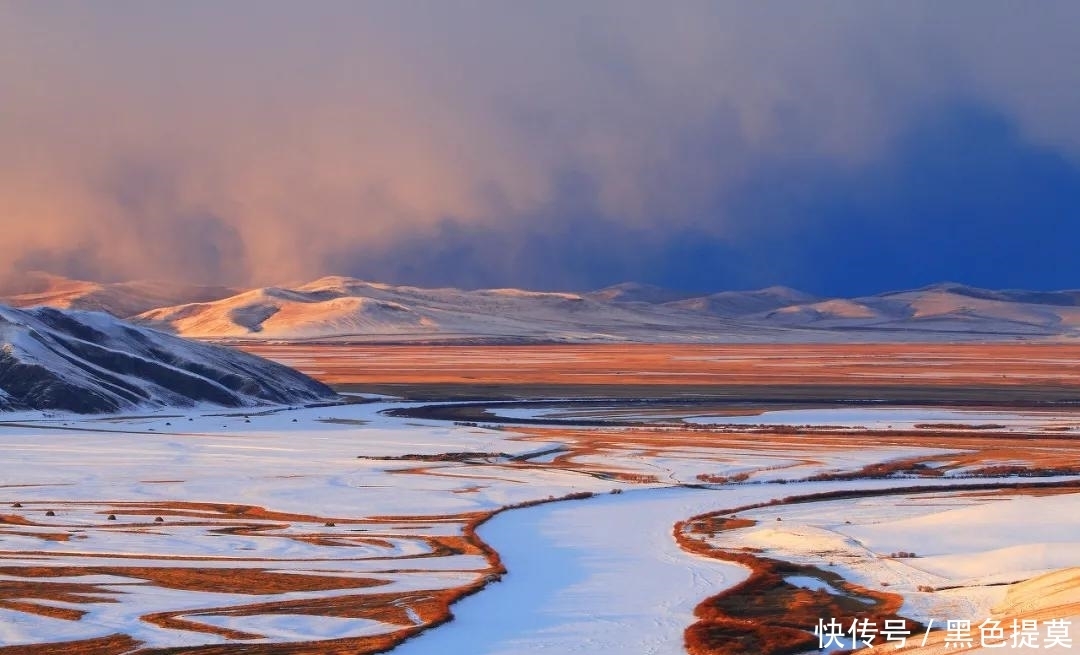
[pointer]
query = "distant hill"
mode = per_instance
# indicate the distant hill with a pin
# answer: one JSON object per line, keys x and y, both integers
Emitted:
{"x": 744, "y": 303}
{"x": 944, "y": 310}
{"x": 91, "y": 362}
{"x": 342, "y": 308}
{"x": 637, "y": 292}
{"x": 336, "y": 307}
{"x": 122, "y": 299}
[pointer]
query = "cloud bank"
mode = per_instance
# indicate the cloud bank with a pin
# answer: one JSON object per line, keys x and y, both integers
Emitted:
{"x": 543, "y": 144}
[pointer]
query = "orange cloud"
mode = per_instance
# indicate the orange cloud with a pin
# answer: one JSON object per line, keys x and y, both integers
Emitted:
{"x": 247, "y": 142}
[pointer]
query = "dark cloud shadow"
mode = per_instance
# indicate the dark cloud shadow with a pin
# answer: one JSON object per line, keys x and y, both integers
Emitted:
{"x": 963, "y": 197}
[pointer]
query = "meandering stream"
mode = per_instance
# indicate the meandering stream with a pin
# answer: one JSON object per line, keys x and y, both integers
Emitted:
{"x": 603, "y": 575}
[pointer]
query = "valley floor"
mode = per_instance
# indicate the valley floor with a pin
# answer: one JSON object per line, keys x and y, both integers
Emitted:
{"x": 650, "y": 527}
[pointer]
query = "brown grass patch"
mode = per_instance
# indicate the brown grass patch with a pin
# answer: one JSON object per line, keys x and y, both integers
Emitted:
{"x": 50, "y": 611}
{"x": 348, "y": 646}
{"x": 251, "y": 581}
{"x": 711, "y": 525}
{"x": 68, "y": 592}
{"x": 117, "y": 644}
{"x": 176, "y": 621}
{"x": 48, "y": 536}
{"x": 342, "y": 540}
{"x": 765, "y": 614}
{"x": 209, "y": 511}
{"x": 995, "y": 365}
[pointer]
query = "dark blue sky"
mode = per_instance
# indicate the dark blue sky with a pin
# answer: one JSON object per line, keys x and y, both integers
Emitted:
{"x": 962, "y": 198}
{"x": 838, "y": 147}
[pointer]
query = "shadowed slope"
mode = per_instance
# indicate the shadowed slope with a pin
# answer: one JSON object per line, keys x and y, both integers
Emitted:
{"x": 88, "y": 362}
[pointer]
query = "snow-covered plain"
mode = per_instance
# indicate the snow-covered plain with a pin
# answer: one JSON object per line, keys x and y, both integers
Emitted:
{"x": 973, "y": 553}
{"x": 597, "y": 575}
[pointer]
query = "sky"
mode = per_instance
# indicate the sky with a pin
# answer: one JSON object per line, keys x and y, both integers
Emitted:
{"x": 837, "y": 147}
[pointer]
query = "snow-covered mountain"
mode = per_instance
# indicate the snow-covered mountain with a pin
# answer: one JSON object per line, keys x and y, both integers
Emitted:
{"x": 336, "y": 307}
{"x": 637, "y": 292}
{"x": 341, "y": 308}
{"x": 944, "y": 310}
{"x": 745, "y": 303}
{"x": 90, "y": 362}
{"x": 122, "y": 299}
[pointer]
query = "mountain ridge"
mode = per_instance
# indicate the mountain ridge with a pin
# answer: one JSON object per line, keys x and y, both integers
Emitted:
{"x": 121, "y": 299}
{"x": 343, "y": 308}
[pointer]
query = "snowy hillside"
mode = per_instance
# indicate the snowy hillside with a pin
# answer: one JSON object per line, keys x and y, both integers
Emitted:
{"x": 345, "y": 308}
{"x": 336, "y": 307}
{"x": 744, "y": 303}
{"x": 90, "y": 362}
{"x": 944, "y": 309}
{"x": 637, "y": 292}
{"x": 122, "y": 299}
{"x": 342, "y": 308}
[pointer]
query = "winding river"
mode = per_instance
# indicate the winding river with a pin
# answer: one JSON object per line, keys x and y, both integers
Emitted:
{"x": 602, "y": 575}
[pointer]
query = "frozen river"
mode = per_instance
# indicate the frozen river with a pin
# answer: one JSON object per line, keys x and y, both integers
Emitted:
{"x": 602, "y": 575}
